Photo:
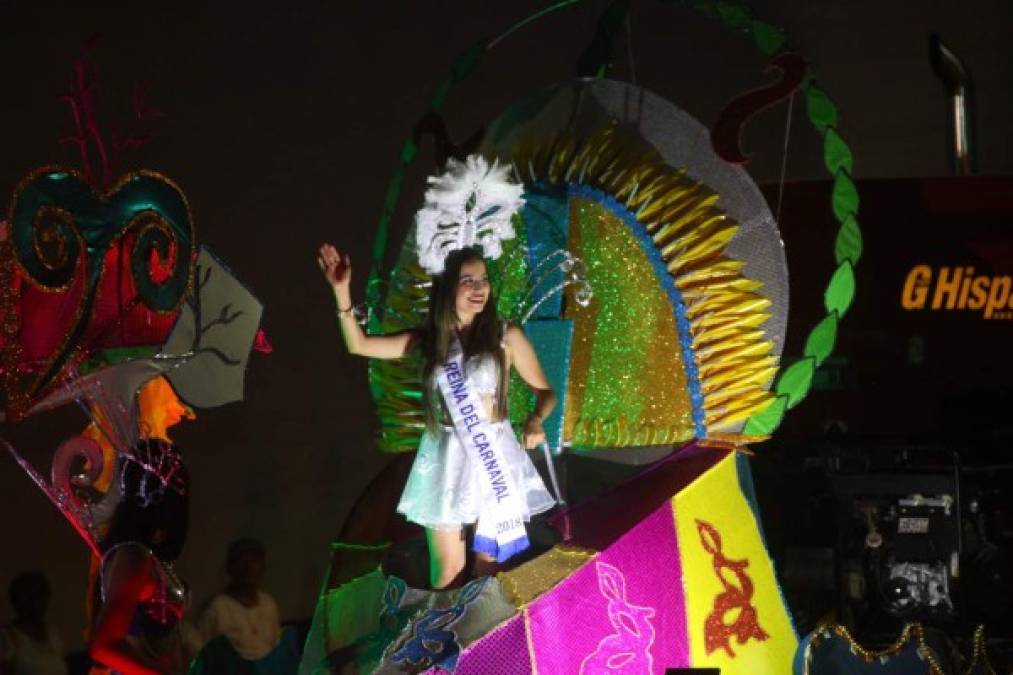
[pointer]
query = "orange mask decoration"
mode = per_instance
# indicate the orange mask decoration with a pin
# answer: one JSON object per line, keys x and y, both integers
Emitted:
{"x": 158, "y": 410}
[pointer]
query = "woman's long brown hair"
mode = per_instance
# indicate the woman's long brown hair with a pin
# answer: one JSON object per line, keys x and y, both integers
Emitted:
{"x": 485, "y": 337}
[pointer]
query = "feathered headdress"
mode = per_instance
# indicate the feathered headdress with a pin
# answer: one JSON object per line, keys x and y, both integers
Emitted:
{"x": 471, "y": 203}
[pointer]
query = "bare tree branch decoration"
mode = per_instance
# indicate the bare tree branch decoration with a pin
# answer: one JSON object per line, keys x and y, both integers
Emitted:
{"x": 225, "y": 317}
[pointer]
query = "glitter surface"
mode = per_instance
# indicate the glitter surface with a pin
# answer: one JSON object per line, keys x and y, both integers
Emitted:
{"x": 627, "y": 383}
{"x": 552, "y": 340}
{"x": 676, "y": 343}
{"x": 523, "y": 584}
{"x": 509, "y": 277}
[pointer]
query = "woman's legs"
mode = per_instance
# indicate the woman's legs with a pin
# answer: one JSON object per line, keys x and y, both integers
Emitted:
{"x": 485, "y": 565}
{"x": 447, "y": 556}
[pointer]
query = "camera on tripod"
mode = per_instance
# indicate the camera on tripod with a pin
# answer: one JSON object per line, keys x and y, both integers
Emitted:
{"x": 899, "y": 537}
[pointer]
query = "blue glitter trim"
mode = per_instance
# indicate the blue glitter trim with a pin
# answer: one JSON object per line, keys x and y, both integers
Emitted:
{"x": 667, "y": 282}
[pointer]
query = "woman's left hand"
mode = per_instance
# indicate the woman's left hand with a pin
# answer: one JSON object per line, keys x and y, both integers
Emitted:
{"x": 534, "y": 433}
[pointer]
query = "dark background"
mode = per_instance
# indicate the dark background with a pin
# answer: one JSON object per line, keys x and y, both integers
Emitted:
{"x": 283, "y": 126}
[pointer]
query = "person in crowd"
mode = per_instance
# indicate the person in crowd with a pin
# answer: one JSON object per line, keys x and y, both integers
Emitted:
{"x": 244, "y": 612}
{"x": 241, "y": 625}
{"x": 29, "y": 645}
{"x": 139, "y": 628}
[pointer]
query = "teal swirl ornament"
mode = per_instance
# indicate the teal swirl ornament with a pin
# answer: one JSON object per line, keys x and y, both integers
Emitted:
{"x": 61, "y": 229}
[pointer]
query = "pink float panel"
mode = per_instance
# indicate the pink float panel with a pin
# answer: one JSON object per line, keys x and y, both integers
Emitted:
{"x": 504, "y": 651}
{"x": 622, "y": 612}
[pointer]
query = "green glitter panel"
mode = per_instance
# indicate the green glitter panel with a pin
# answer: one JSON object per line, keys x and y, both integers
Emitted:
{"x": 509, "y": 278}
{"x": 627, "y": 385}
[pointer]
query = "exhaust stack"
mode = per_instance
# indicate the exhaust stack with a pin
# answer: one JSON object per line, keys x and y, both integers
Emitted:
{"x": 959, "y": 103}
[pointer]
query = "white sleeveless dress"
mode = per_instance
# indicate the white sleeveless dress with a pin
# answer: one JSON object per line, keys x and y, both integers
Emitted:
{"x": 444, "y": 488}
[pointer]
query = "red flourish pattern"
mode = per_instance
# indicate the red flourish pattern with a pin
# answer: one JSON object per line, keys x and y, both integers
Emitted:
{"x": 734, "y": 603}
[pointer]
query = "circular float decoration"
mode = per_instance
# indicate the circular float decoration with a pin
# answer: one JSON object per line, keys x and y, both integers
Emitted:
{"x": 721, "y": 340}
{"x": 679, "y": 339}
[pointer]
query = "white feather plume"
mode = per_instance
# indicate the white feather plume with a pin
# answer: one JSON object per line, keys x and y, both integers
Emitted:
{"x": 471, "y": 203}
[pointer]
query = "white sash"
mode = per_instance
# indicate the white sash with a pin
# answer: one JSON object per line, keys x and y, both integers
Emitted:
{"x": 500, "y": 530}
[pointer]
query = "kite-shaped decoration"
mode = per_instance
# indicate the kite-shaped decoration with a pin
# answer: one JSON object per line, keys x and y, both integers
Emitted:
{"x": 215, "y": 332}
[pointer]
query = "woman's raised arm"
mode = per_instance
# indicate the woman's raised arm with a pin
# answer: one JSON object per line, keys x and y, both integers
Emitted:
{"x": 337, "y": 270}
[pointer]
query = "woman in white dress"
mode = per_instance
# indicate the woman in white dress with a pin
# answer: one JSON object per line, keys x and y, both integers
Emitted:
{"x": 470, "y": 468}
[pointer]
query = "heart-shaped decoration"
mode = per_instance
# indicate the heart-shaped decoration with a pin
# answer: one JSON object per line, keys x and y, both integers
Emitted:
{"x": 63, "y": 238}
